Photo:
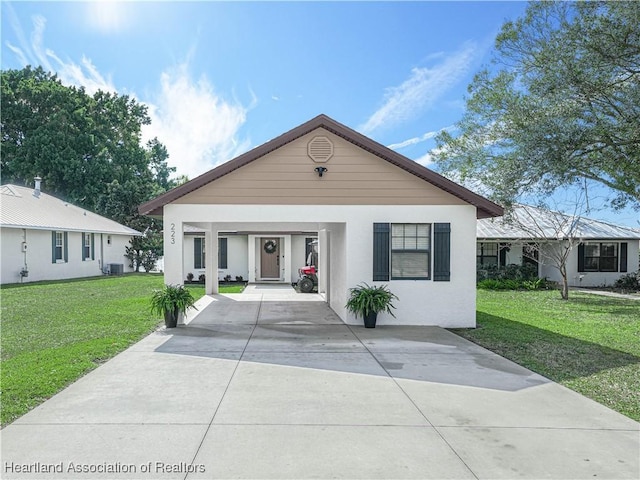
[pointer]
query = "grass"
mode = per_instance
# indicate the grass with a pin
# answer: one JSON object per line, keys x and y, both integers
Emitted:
{"x": 589, "y": 343}
{"x": 55, "y": 332}
{"x": 230, "y": 288}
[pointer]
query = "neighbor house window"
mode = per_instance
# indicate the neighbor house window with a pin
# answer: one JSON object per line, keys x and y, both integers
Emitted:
{"x": 59, "y": 246}
{"x": 486, "y": 254}
{"x": 410, "y": 251}
{"x": 87, "y": 246}
{"x": 600, "y": 257}
{"x": 59, "y": 251}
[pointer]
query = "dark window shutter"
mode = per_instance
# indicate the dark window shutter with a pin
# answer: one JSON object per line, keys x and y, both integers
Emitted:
{"x": 53, "y": 247}
{"x": 66, "y": 247}
{"x": 381, "y": 232}
{"x": 503, "y": 247}
{"x": 222, "y": 253}
{"x": 441, "y": 252}
{"x": 197, "y": 253}
{"x": 581, "y": 257}
{"x": 82, "y": 246}
{"x": 93, "y": 246}
{"x": 623, "y": 257}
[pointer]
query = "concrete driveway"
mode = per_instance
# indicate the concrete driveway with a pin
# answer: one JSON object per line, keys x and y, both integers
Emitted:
{"x": 271, "y": 384}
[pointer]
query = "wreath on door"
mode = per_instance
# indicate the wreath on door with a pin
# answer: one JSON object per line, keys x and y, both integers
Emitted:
{"x": 270, "y": 246}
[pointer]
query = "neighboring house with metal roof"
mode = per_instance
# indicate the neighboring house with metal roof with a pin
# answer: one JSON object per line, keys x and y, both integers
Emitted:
{"x": 45, "y": 238}
{"x": 601, "y": 252}
{"x": 379, "y": 217}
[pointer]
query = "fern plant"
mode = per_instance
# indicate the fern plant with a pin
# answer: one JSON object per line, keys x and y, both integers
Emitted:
{"x": 366, "y": 299}
{"x": 170, "y": 301}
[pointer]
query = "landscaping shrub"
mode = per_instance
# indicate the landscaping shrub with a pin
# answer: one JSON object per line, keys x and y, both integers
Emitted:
{"x": 509, "y": 284}
{"x": 629, "y": 282}
{"x": 510, "y": 272}
{"x": 536, "y": 284}
{"x": 511, "y": 277}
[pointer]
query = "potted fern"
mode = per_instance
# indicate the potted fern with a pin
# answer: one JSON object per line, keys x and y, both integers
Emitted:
{"x": 367, "y": 301}
{"x": 170, "y": 302}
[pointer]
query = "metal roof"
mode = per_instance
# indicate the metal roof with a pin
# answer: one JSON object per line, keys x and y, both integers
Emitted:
{"x": 484, "y": 207}
{"x": 20, "y": 208}
{"x": 527, "y": 222}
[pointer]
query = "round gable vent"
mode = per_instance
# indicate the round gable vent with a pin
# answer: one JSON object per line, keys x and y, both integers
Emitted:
{"x": 320, "y": 149}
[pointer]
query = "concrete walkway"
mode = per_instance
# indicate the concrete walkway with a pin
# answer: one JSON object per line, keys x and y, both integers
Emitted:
{"x": 271, "y": 384}
{"x": 605, "y": 293}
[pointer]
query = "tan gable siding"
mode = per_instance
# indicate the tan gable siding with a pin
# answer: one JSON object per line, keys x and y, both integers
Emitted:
{"x": 286, "y": 177}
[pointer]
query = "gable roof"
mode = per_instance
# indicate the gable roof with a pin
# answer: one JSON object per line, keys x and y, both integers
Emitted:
{"x": 20, "y": 208}
{"x": 533, "y": 222}
{"x": 485, "y": 207}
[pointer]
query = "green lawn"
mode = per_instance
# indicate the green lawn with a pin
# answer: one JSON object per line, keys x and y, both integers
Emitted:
{"x": 55, "y": 332}
{"x": 589, "y": 343}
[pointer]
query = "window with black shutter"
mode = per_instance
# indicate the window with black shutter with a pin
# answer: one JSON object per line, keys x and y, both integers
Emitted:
{"x": 403, "y": 251}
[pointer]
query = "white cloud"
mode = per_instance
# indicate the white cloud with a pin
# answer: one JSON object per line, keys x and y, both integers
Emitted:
{"x": 198, "y": 127}
{"x": 420, "y": 139}
{"x": 33, "y": 52}
{"x": 420, "y": 90}
{"x": 428, "y": 158}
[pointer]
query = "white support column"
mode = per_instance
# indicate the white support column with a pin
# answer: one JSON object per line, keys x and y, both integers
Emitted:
{"x": 286, "y": 239}
{"x": 323, "y": 263}
{"x": 251, "y": 253}
{"x": 211, "y": 260}
{"x": 173, "y": 246}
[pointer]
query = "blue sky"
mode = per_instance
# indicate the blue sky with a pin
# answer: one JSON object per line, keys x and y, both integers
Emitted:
{"x": 220, "y": 78}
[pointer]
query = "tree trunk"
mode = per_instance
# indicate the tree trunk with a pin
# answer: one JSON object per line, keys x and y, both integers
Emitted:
{"x": 564, "y": 292}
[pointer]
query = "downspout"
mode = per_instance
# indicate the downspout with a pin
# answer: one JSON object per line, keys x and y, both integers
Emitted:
{"x": 25, "y": 247}
{"x": 101, "y": 259}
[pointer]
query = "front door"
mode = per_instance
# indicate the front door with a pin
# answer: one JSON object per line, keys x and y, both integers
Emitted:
{"x": 270, "y": 258}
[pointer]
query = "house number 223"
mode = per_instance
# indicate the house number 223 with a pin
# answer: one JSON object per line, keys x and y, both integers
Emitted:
{"x": 173, "y": 233}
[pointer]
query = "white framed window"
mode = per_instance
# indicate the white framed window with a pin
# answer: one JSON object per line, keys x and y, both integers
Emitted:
{"x": 410, "y": 251}
{"x": 86, "y": 247}
{"x": 59, "y": 252}
{"x": 59, "y": 248}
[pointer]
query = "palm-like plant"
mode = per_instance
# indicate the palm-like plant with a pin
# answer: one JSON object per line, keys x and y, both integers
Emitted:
{"x": 170, "y": 302}
{"x": 367, "y": 301}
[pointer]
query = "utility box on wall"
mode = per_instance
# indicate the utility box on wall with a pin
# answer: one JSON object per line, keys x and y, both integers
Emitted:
{"x": 116, "y": 269}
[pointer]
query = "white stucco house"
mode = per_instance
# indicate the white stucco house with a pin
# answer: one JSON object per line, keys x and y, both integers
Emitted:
{"x": 379, "y": 218}
{"x": 600, "y": 252}
{"x": 45, "y": 238}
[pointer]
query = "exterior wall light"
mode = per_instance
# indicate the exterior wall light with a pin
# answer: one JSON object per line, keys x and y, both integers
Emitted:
{"x": 320, "y": 170}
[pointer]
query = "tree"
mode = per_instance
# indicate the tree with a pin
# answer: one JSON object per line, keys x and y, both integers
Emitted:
{"x": 145, "y": 251}
{"x": 548, "y": 234}
{"x": 87, "y": 149}
{"x": 561, "y": 107}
